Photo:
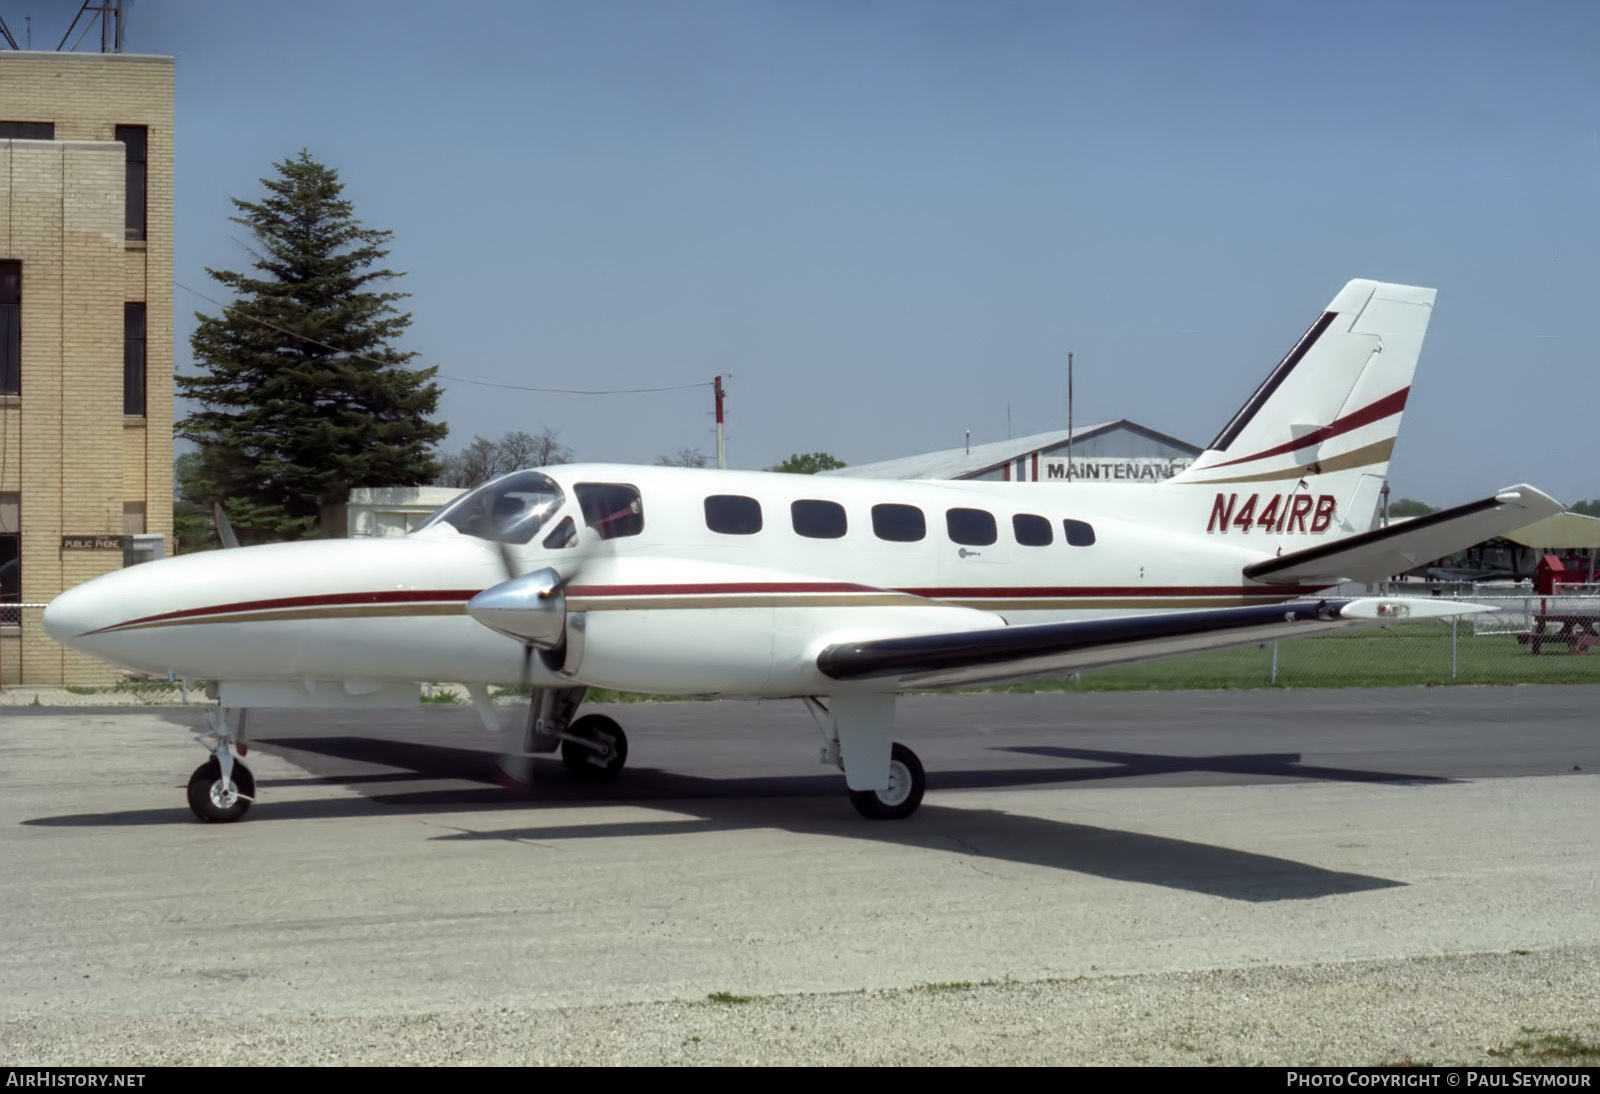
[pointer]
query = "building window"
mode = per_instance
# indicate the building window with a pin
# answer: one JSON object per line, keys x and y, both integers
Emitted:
{"x": 133, "y": 366}
{"x": 1079, "y": 534}
{"x": 972, "y": 527}
{"x": 733, "y": 514}
{"x": 1032, "y": 531}
{"x": 612, "y": 509}
{"x": 134, "y": 139}
{"x": 133, "y": 517}
{"x": 28, "y": 131}
{"x": 819, "y": 519}
{"x": 10, "y": 328}
{"x": 899, "y": 523}
{"x": 10, "y": 549}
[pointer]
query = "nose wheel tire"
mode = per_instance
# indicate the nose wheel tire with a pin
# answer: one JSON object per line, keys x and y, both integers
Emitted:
{"x": 215, "y": 802}
{"x": 903, "y": 794}
{"x": 599, "y": 751}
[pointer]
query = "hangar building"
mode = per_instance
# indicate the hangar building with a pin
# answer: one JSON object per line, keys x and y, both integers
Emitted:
{"x": 1120, "y": 451}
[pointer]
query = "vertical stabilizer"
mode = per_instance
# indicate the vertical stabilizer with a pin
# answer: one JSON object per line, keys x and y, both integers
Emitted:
{"x": 1324, "y": 422}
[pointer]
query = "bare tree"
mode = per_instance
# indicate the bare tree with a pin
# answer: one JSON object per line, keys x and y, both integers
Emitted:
{"x": 683, "y": 457}
{"x": 484, "y": 459}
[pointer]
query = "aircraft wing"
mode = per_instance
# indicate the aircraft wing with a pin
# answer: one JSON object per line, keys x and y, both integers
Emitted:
{"x": 999, "y": 654}
{"x": 1372, "y": 556}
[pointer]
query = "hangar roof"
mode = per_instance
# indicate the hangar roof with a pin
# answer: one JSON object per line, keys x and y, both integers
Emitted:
{"x": 958, "y": 463}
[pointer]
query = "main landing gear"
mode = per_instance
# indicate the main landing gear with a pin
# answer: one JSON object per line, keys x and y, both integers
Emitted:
{"x": 884, "y": 777}
{"x": 222, "y": 789}
{"x": 903, "y": 794}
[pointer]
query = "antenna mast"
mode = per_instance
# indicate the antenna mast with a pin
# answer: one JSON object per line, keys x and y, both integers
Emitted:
{"x": 722, "y": 451}
{"x": 112, "y": 25}
{"x": 1069, "y": 415}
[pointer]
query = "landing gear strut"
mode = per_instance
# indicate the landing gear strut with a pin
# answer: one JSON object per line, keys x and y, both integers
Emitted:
{"x": 222, "y": 789}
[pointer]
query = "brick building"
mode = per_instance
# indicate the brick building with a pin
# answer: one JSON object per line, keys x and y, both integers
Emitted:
{"x": 85, "y": 335}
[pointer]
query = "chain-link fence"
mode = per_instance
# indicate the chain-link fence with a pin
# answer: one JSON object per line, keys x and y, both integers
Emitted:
{"x": 1523, "y": 638}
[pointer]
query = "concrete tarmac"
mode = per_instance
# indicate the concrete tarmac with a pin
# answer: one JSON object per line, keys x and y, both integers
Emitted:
{"x": 385, "y": 883}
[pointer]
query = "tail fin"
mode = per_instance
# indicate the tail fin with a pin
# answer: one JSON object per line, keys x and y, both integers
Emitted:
{"x": 1326, "y": 419}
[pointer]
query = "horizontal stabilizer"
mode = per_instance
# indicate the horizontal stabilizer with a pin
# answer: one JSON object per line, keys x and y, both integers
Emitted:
{"x": 1375, "y": 555}
{"x": 998, "y": 654}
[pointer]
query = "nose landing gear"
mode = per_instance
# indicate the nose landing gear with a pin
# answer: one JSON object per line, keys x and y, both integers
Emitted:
{"x": 594, "y": 748}
{"x": 222, "y": 789}
{"x": 216, "y": 800}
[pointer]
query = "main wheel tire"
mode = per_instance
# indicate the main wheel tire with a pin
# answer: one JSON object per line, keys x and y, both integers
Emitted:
{"x": 904, "y": 793}
{"x": 207, "y": 798}
{"x": 590, "y": 765}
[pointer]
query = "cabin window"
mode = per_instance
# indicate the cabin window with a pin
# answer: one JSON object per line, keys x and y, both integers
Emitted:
{"x": 564, "y": 535}
{"x": 1032, "y": 531}
{"x": 1079, "y": 534}
{"x": 612, "y": 509}
{"x": 733, "y": 514}
{"x": 972, "y": 527}
{"x": 819, "y": 519}
{"x": 899, "y": 523}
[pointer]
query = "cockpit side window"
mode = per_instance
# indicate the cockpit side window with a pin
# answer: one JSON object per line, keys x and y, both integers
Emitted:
{"x": 612, "y": 509}
{"x": 510, "y": 509}
{"x": 564, "y": 535}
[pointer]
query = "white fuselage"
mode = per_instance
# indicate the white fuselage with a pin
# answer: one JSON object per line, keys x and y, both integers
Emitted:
{"x": 679, "y": 608}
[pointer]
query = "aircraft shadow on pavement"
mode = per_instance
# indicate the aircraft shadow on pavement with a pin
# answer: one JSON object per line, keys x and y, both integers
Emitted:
{"x": 1119, "y": 765}
{"x": 724, "y": 804}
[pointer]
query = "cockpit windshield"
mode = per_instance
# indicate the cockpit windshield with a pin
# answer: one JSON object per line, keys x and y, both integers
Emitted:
{"x": 510, "y": 509}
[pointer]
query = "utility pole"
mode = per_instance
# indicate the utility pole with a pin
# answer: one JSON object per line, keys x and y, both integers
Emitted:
{"x": 1069, "y": 415}
{"x": 722, "y": 452}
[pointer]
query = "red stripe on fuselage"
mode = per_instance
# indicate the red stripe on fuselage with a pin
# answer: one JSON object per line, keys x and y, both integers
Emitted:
{"x": 729, "y": 587}
{"x": 1154, "y": 591}
{"x": 324, "y": 600}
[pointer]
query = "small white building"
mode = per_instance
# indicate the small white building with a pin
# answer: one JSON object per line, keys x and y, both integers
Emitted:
{"x": 1120, "y": 451}
{"x": 384, "y": 510}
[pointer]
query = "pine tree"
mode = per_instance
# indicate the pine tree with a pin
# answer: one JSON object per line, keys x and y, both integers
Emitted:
{"x": 303, "y": 395}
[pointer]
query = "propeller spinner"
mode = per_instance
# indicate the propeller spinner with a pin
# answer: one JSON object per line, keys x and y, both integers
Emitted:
{"x": 531, "y": 608}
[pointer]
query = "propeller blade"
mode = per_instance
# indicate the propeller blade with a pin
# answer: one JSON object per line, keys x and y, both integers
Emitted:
{"x": 224, "y": 529}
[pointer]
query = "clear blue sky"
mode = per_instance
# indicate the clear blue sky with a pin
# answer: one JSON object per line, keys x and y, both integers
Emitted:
{"x": 889, "y": 221}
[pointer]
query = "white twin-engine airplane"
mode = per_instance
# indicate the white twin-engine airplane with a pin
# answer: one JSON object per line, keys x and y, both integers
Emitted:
{"x": 836, "y": 591}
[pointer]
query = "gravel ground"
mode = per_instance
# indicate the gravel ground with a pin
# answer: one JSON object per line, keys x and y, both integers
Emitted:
{"x": 1471, "y": 1009}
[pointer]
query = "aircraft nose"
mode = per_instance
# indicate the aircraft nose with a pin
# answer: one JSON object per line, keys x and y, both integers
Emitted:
{"x": 71, "y": 614}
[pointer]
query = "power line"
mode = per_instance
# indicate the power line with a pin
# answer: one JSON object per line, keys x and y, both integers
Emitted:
{"x": 453, "y": 379}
